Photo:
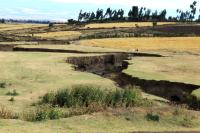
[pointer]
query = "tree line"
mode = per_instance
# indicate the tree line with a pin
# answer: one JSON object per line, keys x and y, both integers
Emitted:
{"x": 138, "y": 14}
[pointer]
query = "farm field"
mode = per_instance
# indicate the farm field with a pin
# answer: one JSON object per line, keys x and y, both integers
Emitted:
{"x": 147, "y": 44}
{"x": 124, "y": 25}
{"x": 58, "y": 34}
{"x": 29, "y": 77}
{"x": 5, "y": 27}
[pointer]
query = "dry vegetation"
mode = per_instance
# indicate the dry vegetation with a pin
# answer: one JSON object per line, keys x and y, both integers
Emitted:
{"x": 124, "y": 24}
{"x": 58, "y": 34}
{"x": 145, "y": 44}
{"x": 73, "y": 47}
{"x": 5, "y": 27}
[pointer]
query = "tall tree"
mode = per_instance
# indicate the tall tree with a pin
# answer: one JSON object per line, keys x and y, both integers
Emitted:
{"x": 99, "y": 14}
{"x": 108, "y": 13}
{"x": 80, "y": 16}
{"x": 193, "y": 10}
{"x": 162, "y": 16}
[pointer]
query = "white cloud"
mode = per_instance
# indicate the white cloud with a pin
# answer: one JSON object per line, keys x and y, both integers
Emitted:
{"x": 160, "y": 4}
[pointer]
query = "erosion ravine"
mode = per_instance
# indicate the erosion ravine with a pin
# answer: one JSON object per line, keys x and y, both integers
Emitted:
{"x": 111, "y": 66}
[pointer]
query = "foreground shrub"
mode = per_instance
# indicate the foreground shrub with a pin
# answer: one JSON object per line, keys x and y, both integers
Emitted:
{"x": 87, "y": 95}
{"x": 187, "y": 121}
{"x": 2, "y": 85}
{"x": 13, "y": 93}
{"x": 152, "y": 117}
{"x": 42, "y": 113}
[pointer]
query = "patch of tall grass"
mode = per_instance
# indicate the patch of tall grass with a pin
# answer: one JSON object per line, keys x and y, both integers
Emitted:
{"x": 87, "y": 95}
{"x": 6, "y": 113}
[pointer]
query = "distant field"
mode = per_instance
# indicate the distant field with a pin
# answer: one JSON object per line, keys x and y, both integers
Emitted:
{"x": 130, "y": 44}
{"x": 4, "y": 27}
{"x": 124, "y": 24}
{"x": 58, "y": 34}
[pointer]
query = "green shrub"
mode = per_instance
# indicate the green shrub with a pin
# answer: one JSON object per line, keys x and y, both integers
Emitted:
{"x": 154, "y": 24}
{"x": 42, "y": 113}
{"x": 2, "y": 85}
{"x": 55, "y": 114}
{"x": 48, "y": 98}
{"x": 114, "y": 98}
{"x": 86, "y": 95}
{"x": 131, "y": 97}
{"x": 152, "y": 117}
{"x": 13, "y": 93}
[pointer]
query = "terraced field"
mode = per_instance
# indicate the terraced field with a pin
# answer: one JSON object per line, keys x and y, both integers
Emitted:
{"x": 124, "y": 25}
{"x": 147, "y": 44}
{"x": 27, "y": 75}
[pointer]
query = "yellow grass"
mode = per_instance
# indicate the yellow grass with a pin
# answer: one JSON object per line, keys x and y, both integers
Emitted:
{"x": 125, "y": 24}
{"x": 72, "y": 47}
{"x": 58, "y": 34}
{"x": 172, "y": 43}
{"x": 4, "y": 27}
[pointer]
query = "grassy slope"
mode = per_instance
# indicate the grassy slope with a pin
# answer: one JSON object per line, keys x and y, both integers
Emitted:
{"x": 98, "y": 123}
{"x": 33, "y": 74}
{"x": 180, "y": 68}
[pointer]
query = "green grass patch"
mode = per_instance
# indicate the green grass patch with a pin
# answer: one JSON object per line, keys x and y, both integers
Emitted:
{"x": 86, "y": 95}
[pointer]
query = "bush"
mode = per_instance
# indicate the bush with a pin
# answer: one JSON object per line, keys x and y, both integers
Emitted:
{"x": 42, "y": 113}
{"x": 152, "y": 117}
{"x": 13, "y": 93}
{"x": 2, "y": 85}
{"x": 12, "y": 99}
{"x": 187, "y": 121}
{"x": 131, "y": 97}
{"x": 114, "y": 98}
{"x": 51, "y": 25}
{"x": 55, "y": 114}
{"x": 154, "y": 24}
{"x": 86, "y": 95}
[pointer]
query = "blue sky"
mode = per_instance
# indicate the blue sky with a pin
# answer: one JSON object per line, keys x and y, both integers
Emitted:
{"x": 65, "y": 9}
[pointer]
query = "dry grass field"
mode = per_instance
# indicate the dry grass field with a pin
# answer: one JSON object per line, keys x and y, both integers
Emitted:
{"x": 58, "y": 34}
{"x": 73, "y": 47}
{"x": 124, "y": 24}
{"x": 147, "y": 44}
{"x": 5, "y": 27}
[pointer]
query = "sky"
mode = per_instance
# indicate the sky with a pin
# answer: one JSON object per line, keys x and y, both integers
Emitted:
{"x": 61, "y": 10}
